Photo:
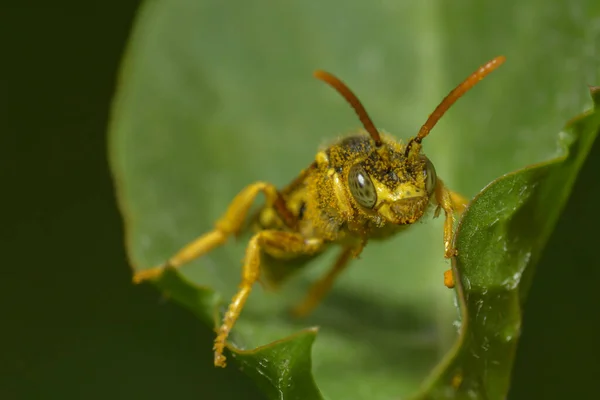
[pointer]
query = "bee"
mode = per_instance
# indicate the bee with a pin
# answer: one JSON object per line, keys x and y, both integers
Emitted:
{"x": 368, "y": 186}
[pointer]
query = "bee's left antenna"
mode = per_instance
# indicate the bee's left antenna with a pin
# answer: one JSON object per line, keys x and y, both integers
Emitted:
{"x": 351, "y": 98}
{"x": 457, "y": 93}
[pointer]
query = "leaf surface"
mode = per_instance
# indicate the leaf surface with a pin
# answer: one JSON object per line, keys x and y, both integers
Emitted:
{"x": 214, "y": 96}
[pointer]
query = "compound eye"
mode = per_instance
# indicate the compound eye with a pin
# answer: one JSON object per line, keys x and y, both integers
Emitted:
{"x": 362, "y": 187}
{"x": 430, "y": 177}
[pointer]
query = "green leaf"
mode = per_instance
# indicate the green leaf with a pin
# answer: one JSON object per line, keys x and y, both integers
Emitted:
{"x": 216, "y": 95}
{"x": 281, "y": 369}
{"x": 500, "y": 239}
{"x": 558, "y": 352}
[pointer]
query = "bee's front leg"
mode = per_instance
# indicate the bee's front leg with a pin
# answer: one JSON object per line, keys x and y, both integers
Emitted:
{"x": 450, "y": 202}
{"x": 269, "y": 241}
{"x": 229, "y": 224}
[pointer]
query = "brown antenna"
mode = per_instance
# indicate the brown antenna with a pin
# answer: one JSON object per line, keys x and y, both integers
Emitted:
{"x": 456, "y": 94}
{"x": 351, "y": 98}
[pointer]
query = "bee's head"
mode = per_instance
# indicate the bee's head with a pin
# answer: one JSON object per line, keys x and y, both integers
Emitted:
{"x": 381, "y": 180}
{"x": 397, "y": 191}
{"x": 415, "y": 172}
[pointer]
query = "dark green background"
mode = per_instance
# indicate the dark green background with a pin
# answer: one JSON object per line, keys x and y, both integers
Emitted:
{"x": 71, "y": 323}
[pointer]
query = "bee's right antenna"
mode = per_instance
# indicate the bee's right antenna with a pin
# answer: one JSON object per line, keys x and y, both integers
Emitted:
{"x": 451, "y": 98}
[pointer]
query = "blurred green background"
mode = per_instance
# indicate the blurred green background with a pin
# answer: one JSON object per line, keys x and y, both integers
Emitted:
{"x": 72, "y": 324}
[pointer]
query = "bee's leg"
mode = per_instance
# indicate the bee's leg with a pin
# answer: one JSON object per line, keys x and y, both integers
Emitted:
{"x": 444, "y": 199}
{"x": 273, "y": 242}
{"x": 459, "y": 203}
{"x": 320, "y": 288}
{"x": 229, "y": 224}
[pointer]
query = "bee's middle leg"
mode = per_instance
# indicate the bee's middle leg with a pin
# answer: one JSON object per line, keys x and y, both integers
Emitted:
{"x": 277, "y": 242}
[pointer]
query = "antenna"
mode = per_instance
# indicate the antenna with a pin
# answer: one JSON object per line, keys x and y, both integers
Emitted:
{"x": 456, "y": 94}
{"x": 351, "y": 98}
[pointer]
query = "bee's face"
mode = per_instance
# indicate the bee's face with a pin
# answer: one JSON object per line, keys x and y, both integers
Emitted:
{"x": 393, "y": 186}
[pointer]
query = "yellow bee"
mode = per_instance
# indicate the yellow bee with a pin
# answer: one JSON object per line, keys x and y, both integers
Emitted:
{"x": 366, "y": 186}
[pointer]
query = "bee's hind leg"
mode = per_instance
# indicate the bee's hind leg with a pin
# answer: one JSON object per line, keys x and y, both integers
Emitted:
{"x": 321, "y": 287}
